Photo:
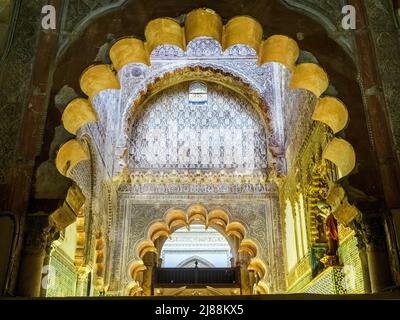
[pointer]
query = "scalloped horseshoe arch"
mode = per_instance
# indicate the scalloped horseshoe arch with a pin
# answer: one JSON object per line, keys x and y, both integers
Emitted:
{"x": 235, "y": 55}
{"x": 241, "y": 60}
{"x": 234, "y": 231}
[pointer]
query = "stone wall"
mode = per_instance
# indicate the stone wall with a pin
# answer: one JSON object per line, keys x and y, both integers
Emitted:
{"x": 15, "y": 73}
{"x": 385, "y": 36}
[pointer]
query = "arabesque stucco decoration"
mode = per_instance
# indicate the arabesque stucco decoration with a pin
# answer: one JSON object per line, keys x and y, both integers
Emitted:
{"x": 235, "y": 57}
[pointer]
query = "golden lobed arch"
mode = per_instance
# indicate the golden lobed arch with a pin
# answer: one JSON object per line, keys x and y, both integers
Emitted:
{"x": 205, "y": 22}
{"x": 177, "y": 218}
{"x": 242, "y": 30}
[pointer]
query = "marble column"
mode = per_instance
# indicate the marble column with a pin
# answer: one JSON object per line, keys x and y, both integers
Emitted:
{"x": 365, "y": 270}
{"x": 46, "y": 262}
{"x": 362, "y": 253}
{"x": 148, "y": 280}
{"x": 243, "y": 262}
{"x": 37, "y": 242}
{"x": 371, "y": 229}
{"x": 149, "y": 261}
{"x": 252, "y": 280}
{"x": 82, "y": 282}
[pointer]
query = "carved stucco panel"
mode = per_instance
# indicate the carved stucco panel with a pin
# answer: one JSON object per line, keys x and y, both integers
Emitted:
{"x": 387, "y": 43}
{"x": 14, "y": 82}
{"x": 261, "y": 217}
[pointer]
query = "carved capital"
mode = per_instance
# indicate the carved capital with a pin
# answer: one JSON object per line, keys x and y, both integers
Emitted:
{"x": 330, "y": 261}
{"x": 357, "y": 227}
{"x": 40, "y": 233}
{"x": 244, "y": 260}
{"x": 82, "y": 273}
{"x": 369, "y": 230}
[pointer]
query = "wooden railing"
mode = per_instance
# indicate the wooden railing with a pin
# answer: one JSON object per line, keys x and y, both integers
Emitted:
{"x": 196, "y": 277}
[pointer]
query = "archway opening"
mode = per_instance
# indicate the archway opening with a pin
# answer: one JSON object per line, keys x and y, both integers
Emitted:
{"x": 197, "y": 140}
{"x": 196, "y": 247}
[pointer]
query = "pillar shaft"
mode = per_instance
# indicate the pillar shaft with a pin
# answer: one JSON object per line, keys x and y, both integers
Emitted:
{"x": 30, "y": 279}
{"x": 373, "y": 250}
{"x": 365, "y": 269}
{"x": 81, "y": 286}
{"x": 244, "y": 261}
{"x": 379, "y": 271}
{"x": 36, "y": 247}
{"x": 148, "y": 281}
{"x": 150, "y": 261}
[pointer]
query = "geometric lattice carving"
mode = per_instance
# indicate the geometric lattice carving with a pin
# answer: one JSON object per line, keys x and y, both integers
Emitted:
{"x": 221, "y": 133}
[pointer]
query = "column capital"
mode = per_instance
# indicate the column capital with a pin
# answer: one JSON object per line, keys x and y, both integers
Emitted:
{"x": 40, "y": 233}
{"x": 244, "y": 259}
{"x": 369, "y": 229}
{"x": 82, "y": 272}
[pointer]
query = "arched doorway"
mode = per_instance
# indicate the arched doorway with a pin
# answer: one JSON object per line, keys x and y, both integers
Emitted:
{"x": 189, "y": 143}
{"x": 241, "y": 269}
{"x": 216, "y": 129}
{"x": 196, "y": 260}
{"x": 196, "y": 246}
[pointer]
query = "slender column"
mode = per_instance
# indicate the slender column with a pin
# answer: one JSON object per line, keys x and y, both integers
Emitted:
{"x": 362, "y": 252}
{"x": 243, "y": 263}
{"x": 82, "y": 281}
{"x": 372, "y": 235}
{"x": 46, "y": 262}
{"x": 252, "y": 280}
{"x": 365, "y": 269}
{"x": 379, "y": 270}
{"x": 150, "y": 262}
{"x": 148, "y": 280}
{"x": 234, "y": 249}
{"x": 36, "y": 246}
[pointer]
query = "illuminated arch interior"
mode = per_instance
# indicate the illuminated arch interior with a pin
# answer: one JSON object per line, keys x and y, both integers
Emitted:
{"x": 205, "y": 246}
{"x": 204, "y": 124}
